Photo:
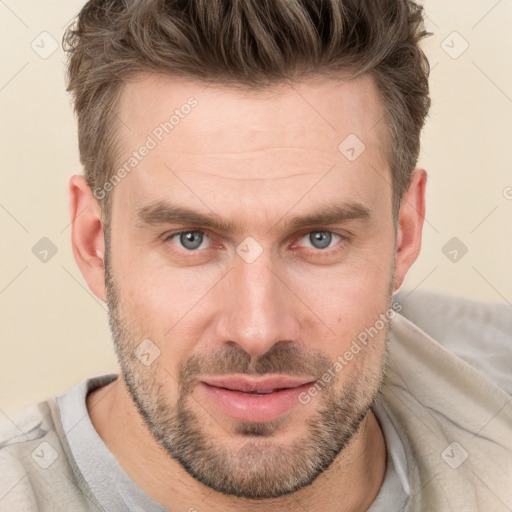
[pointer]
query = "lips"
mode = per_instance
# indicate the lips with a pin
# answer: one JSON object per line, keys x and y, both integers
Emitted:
{"x": 255, "y": 399}
{"x": 255, "y": 384}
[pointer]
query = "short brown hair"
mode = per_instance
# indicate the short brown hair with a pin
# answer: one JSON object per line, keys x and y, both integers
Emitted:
{"x": 249, "y": 43}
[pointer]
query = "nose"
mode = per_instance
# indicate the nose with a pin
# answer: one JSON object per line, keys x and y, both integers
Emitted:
{"x": 258, "y": 308}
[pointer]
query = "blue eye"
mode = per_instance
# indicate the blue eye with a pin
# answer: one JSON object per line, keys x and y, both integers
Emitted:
{"x": 189, "y": 240}
{"x": 320, "y": 239}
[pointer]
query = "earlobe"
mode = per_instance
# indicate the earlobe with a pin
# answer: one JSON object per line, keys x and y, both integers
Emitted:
{"x": 410, "y": 226}
{"x": 87, "y": 234}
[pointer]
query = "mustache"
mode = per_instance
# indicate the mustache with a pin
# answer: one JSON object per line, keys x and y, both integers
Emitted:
{"x": 282, "y": 358}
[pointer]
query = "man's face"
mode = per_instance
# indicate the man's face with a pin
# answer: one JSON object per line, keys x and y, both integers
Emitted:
{"x": 257, "y": 302}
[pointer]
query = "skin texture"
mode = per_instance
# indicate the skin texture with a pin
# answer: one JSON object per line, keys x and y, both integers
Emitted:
{"x": 257, "y": 159}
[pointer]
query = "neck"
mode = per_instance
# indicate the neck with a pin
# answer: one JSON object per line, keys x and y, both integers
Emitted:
{"x": 351, "y": 483}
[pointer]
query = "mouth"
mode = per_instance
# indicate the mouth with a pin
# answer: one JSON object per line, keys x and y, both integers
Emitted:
{"x": 254, "y": 399}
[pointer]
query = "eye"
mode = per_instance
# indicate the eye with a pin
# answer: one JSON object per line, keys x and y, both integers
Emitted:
{"x": 189, "y": 240}
{"x": 321, "y": 239}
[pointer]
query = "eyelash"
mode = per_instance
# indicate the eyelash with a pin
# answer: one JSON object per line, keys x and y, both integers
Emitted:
{"x": 319, "y": 252}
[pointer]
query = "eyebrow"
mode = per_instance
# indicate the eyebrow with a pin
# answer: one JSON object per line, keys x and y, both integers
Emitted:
{"x": 162, "y": 212}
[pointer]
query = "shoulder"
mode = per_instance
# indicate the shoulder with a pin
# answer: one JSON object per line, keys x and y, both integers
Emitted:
{"x": 34, "y": 469}
{"x": 478, "y": 332}
{"x": 19, "y": 436}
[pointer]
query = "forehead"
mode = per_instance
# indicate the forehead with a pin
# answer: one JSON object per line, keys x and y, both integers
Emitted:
{"x": 245, "y": 141}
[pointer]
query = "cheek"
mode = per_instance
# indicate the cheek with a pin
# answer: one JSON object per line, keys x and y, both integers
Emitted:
{"x": 155, "y": 292}
{"x": 350, "y": 297}
{"x": 158, "y": 303}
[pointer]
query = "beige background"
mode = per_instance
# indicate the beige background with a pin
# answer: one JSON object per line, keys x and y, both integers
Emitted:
{"x": 54, "y": 332}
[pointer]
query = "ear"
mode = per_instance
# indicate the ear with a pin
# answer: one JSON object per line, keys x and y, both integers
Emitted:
{"x": 87, "y": 237}
{"x": 411, "y": 217}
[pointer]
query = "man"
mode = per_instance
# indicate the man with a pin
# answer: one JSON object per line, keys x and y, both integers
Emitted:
{"x": 249, "y": 208}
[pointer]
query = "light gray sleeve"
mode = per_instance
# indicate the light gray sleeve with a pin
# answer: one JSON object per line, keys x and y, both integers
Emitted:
{"x": 35, "y": 475}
